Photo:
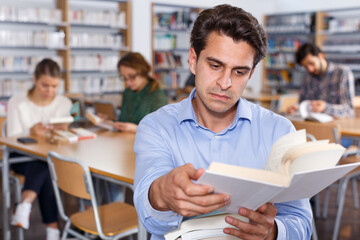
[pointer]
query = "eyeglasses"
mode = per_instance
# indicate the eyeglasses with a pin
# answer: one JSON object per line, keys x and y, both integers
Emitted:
{"x": 129, "y": 78}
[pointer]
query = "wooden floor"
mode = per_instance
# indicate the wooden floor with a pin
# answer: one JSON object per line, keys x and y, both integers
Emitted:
{"x": 350, "y": 223}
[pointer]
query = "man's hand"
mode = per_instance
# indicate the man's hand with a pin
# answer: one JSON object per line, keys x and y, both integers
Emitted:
{"x": 261, "y": 223}
{"x": 318, "y": 105}
{"x": 125, "y": 126}
{"x": 175, "y": 191}
{"x": 292, "y": 109}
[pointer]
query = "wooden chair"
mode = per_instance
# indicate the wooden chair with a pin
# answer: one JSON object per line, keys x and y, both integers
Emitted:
{"x": 332, "y": 131}
{"x": 106, "y": 108}
{"x": 110, "y": 221}
{"x": 286, "y": 101}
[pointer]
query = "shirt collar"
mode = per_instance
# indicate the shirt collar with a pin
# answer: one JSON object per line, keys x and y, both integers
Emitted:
{"x": 186, "y": 110}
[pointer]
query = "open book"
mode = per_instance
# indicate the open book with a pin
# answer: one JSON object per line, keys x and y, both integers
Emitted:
{"x": 99, "y": 122}
{"x": 295, "y": 169}
{"x": 305, "y": 111}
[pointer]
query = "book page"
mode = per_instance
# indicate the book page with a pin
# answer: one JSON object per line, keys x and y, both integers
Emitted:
{"x": 280, "y": 147}
{"x": 318, "y": 158}
{"x": 247, "y": 187}
{"x": 307, "y": 184}
{"x": 205, "y": 223}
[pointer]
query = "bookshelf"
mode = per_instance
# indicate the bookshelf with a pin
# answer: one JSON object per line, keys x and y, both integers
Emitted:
{"x": 100, "y": 35}
{"x": 286, "y": 32}
{"x": 171, "y": 27}
{"x": 86, "y": 38}
{"x": 336, "y": 32}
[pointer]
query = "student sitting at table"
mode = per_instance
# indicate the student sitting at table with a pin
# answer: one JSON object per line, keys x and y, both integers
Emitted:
{"x": 329, "y": 86}
{"x": 142, "y": 95}
{"x": 29, "y": 114}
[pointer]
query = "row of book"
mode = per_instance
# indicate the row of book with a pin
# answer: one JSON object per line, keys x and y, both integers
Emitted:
{"x": 10, "y": 87}
{"x": 172, "y": 79}
{"x": 285, "y": 44}
{"x": 166, "y": 60}
{"x": 103, "y": 18}
{"x": 24, "y": 63}
{"x": 342, "y": 25}
{"x": 181, "y": 19}
{"x": 96, "y": 85}
{"x": 32, "y": 39}
{"x": 30, "y": 14}
{"x": 172, "y": 41}
{"x": 90, "y": 40}
{"x": 93, "y": 63}
{"x": 289, "y": 23}
{"x": 280, "y": 60}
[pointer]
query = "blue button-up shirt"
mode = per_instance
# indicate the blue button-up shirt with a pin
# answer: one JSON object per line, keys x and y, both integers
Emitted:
{"x": 172, "y": 137}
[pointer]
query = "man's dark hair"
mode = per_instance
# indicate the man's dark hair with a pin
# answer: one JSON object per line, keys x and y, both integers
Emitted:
{"x": 304, "y": 50}
{"x": 233, "y": 22}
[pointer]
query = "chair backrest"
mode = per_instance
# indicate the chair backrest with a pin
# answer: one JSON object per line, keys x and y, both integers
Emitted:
{"x": 107, "y": 108}
{"x": 72, "y": 177}
{"x": 320, "y": 131}
{"x": 356, "y": 104}
{"x": 286, "y": 101}
{"x": 82, "y": 108}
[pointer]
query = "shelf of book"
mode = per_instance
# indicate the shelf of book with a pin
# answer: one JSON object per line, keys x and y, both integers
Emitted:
{"x": 32, "y": 31}
{"x": 338, "y": 34}
{"x": 171, "y": 26}
{"x": 286, "y": 32}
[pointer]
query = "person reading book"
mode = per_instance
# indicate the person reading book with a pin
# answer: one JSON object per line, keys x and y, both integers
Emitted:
{"x": 30, "y": 113}
{"x": 329, "y": 86}
{"x": 176, "y": 143}
{"x": 142, "y": 94}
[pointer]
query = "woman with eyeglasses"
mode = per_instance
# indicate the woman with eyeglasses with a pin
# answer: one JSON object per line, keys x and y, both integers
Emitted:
{"x": 142, "y": 95}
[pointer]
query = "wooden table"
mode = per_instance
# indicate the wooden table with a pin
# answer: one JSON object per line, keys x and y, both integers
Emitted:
{"x": 111, "y": 155}
{"x": 266, "y": 100}
{"x": 350, "y": 126}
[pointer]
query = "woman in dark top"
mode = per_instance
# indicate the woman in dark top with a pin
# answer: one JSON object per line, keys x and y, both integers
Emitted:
{"x": 142, "y": 95}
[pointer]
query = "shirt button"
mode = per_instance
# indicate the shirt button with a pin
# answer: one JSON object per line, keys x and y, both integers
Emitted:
{"x": 196, "y": 125}
{"x": 216, "y": 137}
{"x": 175, "y": 214}
{"x": 173, "y": 227}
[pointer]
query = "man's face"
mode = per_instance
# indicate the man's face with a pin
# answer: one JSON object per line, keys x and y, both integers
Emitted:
{"x": 313, "y": 64}
{"x": 222, "y": 71}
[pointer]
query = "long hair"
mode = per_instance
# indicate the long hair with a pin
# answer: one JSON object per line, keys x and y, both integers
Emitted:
{"x": 137, "y": 62}
{"x": 233, "y": 22}
{"x": 47, "y": 67}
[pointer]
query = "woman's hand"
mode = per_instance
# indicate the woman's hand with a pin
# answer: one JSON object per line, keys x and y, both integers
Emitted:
{"x": 125, "y": 126}
{"x": 38, "y": 129}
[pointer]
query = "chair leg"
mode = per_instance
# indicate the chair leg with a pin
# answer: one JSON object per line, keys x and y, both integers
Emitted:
{"x": 66, "y": 229}
{"x": 326, "y": 202}
{"x": 316, "y": 200}
{"x": 314, "y": 235}
{"x": 17, "y": 199}
{"x": 342, "y": 192}
{"x": 355, "y": 192}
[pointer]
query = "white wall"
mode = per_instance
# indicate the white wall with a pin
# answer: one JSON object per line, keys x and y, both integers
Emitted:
{"x": 141, "y": 23}
{"x": 311, "y": 5}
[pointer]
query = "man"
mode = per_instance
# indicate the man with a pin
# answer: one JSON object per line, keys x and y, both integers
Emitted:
{"x": 176, "y": 143}
{"x": 329, "y": 86}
